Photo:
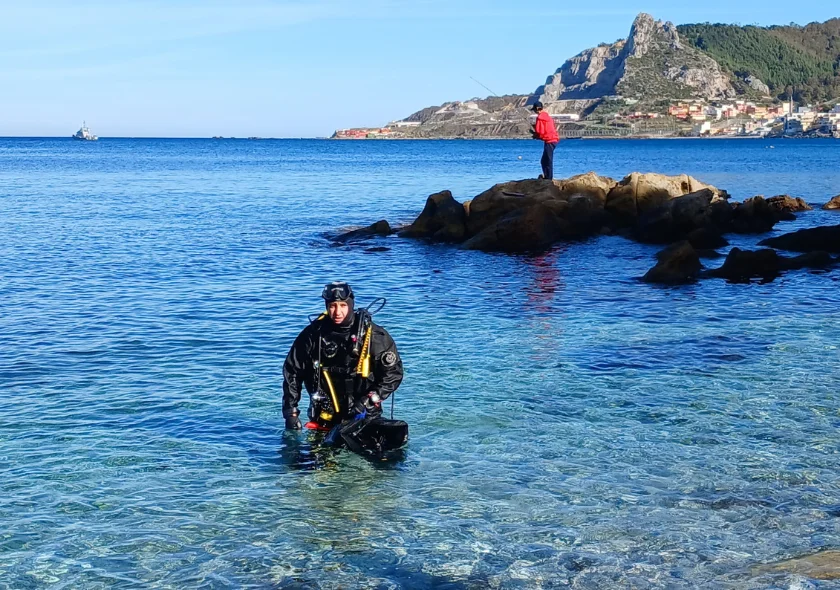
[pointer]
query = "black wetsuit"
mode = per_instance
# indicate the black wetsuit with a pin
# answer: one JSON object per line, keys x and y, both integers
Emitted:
{"x": 324, "y": 346}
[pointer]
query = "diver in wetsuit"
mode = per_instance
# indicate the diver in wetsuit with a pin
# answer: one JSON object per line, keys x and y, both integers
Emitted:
{"x": 347, "y": 363}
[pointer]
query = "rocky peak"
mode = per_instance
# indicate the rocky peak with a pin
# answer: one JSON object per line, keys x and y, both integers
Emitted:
{"x": 647, "y": 33}
{"x": 651, "y": 61}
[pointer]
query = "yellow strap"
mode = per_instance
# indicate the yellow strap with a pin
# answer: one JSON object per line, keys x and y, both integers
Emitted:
{"x": 363, "y": 367}
{"x": 332, "y": 391}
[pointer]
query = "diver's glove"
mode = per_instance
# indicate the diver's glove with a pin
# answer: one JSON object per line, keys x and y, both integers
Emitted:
{"x": 367, "y": 403}
{"x": 293, "y": 423}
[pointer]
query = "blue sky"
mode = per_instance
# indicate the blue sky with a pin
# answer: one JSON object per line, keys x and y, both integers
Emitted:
{"x": 274, "y": 68}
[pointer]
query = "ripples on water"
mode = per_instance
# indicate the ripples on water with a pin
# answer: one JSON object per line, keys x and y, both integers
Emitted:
{"x": 570, "y": 425}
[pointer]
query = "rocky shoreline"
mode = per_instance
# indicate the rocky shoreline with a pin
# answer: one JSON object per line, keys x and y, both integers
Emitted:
{"x": 688, "y": 216}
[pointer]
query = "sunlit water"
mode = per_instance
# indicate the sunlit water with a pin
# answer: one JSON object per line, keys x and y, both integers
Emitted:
{"x": 569, "y": 424}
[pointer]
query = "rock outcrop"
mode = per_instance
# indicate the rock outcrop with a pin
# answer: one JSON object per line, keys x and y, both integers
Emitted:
{"x": 533, "y": 214}
{"x": 650, "y": 62}
{"x": 677, "y": 264}
{"x": 754, "y": 216}
{"x": 442, "y": 219}
{"x": 531, "y": 228}
{"x": 743, "y": 265}
{"x": 825, "y": 238}
{"x": 380, "y": 228}
{"x": 786, "y": 205}
{"x": 756, "y": 85}
{"x": 833, "y": 204}
{"x": 638, "y": 193}
{"x": 766, "y": 264}
{"x": 679, "y": 217}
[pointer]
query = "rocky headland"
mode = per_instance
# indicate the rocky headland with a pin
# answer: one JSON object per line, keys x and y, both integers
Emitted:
{"x": 688, "y": 216}
{"x": 662, "y": 80}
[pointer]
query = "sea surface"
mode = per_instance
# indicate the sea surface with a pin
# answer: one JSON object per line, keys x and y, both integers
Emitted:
{"x": 570, "y": 425}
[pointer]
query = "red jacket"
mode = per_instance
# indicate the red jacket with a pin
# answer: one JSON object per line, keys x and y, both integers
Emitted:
{"x": 545, "y": 128}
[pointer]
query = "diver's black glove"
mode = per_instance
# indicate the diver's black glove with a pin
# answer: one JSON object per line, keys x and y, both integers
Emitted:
{"x": 293, "y": 423}
{"x": 367, "y": 403}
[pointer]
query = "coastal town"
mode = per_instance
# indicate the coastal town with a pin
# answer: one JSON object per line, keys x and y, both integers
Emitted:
{"x": 679, "y": 118}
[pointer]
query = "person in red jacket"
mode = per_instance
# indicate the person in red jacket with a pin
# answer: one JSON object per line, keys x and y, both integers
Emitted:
{"x": 545, "y": 130}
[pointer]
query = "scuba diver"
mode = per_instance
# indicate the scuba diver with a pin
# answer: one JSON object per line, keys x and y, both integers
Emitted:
{"x": 348, "y": 365}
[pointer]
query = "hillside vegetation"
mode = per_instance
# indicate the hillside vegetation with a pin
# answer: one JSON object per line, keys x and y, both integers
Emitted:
{"x": 803, "y": 61}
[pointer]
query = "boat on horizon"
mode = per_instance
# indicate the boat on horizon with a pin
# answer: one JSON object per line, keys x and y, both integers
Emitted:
{"x": 84, "y": 134}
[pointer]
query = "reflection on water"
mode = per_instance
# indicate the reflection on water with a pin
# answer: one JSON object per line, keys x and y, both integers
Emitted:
{"x": 570, "y": 425}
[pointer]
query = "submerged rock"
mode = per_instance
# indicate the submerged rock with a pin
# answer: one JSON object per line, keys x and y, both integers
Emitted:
{"x": 677, "y": 264}
{"x": 815, "y": 259}
{"x": 743, "y": 265}
{"x": 824, "y": 565}
{"x": 443, "y": 219}
{"x": 766, "y": 264}
{"x": 826, "y": 238}
{"x": 833, "y": 204}
{"x": 380, "y": 228}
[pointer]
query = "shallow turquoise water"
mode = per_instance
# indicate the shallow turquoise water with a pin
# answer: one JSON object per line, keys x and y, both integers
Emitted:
{"x": 570, "y": 425}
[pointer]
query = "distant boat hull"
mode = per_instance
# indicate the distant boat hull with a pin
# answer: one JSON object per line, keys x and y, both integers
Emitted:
{"x": 84, "y": 134}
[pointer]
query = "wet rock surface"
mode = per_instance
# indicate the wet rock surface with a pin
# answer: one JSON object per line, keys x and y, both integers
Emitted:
{"x": 380, "y": 228}
{"x": 826, "y": 238}
{"x": 442, "y": 219}
{"x": 677, "y": 264}
{"x": 784, "y": 204}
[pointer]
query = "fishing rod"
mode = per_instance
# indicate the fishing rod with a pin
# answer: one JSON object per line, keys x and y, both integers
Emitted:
{"x": 526, "y": 118}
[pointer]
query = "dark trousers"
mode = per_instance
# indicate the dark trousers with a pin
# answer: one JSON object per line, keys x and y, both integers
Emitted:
{"x": 547, "y": 161}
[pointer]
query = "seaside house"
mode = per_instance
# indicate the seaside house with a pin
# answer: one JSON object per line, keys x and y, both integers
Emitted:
{"x": 703, "y": 128}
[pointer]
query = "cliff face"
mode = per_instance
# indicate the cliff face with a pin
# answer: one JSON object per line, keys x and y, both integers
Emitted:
{"x": 651, "y": 62}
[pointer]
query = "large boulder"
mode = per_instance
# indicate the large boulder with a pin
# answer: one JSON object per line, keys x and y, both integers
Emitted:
{"x": 743, "y": 265}
{"x": 826, "y": 238}
{"x": 380, "y": 228}
{"x": 833, "y": 204}
{"x": 676, "y": 218}
{"x": 502, "y": 199}
{"x": 677, "y": 264}
{"x": 443, "y": 219}
{"x": 590, "y": 185}
{"x": 787, "y": 205}
{"x": 638, "y": 193}
{"x": 753, "y": 216}
{"x": 529, "y": 229}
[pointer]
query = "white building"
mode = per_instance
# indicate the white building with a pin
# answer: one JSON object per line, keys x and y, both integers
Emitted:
{"x": 566, "y": 117}
{"x": 715, "y": 112}
{"x": 703, "y": 128}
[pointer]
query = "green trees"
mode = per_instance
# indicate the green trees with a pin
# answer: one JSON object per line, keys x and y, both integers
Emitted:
{"x": 804, "y": 61}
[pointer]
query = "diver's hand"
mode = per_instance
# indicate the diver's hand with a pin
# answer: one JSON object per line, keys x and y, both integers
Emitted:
{"x": 293, "y": 423}
{"x": 367, "y": 403}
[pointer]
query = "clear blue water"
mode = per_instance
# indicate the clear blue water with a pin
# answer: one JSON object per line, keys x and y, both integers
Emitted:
{"x": 569, "y": 424}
